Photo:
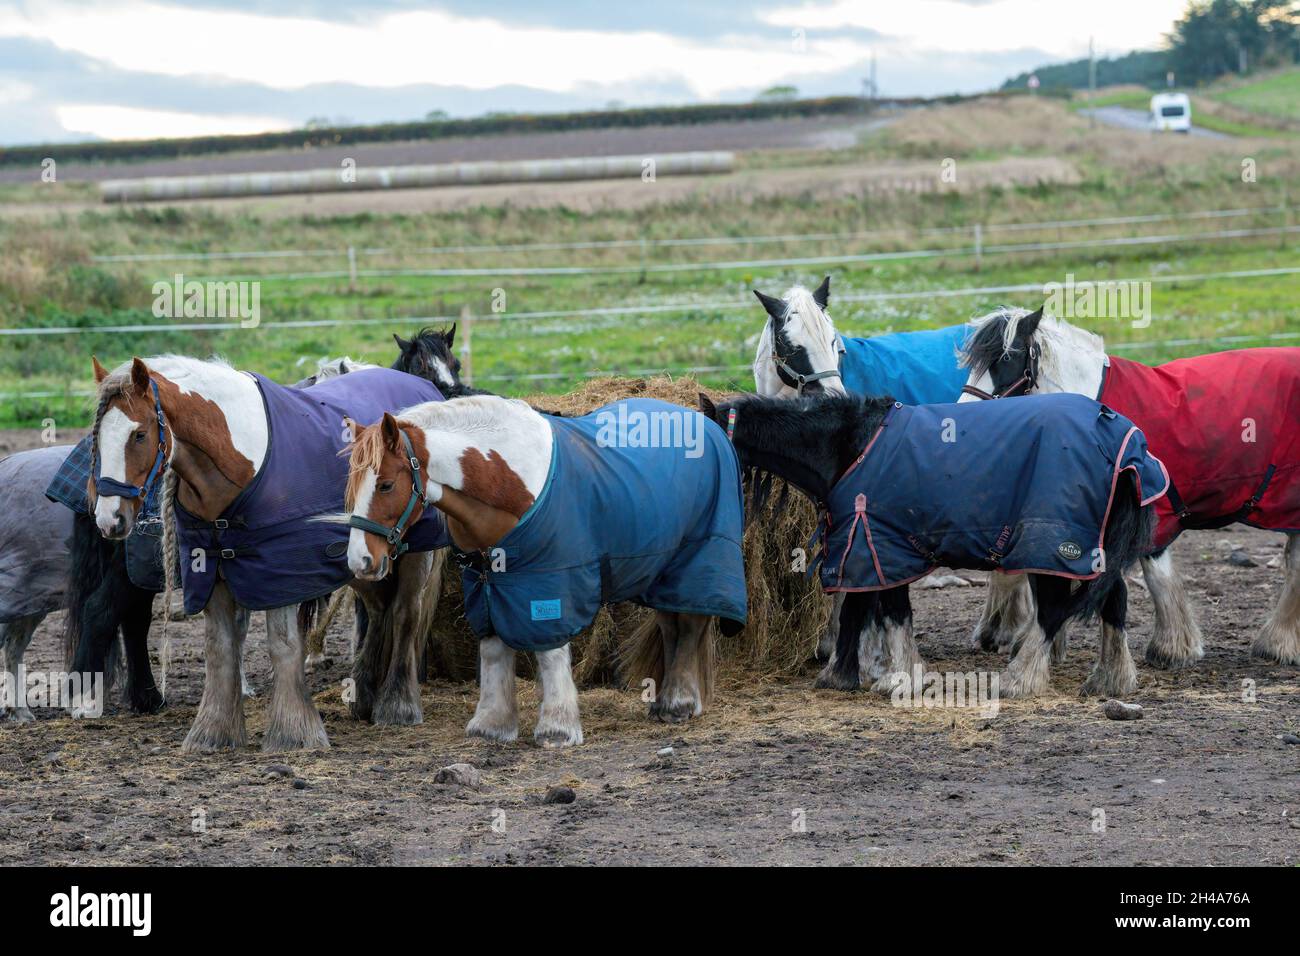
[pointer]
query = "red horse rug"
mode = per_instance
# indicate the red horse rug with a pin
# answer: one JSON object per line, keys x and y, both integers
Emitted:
{"x": 1227, "y": 427}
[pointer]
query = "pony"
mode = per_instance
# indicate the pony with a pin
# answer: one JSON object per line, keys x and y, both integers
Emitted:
{"x": 1228, "y": 426}
{"x": 823, "y": 445}
{"x": 801, "y": 353}
{"x": 556, "y": 517}
{"x": 429, "y": 355}
{"x": 244, "y": 461}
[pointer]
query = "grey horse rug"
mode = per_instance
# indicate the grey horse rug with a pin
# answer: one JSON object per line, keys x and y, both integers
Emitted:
{"x": 265, "y": 545}
{"x": 1022, "y": 486}
{"x": 624, "y": 516}
{"x": 34, "y": 535}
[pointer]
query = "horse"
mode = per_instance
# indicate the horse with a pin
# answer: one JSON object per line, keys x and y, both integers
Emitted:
{"x": 1227, "y": 426}
{"x": 801, "y": 353}
{"x": 557, "y": 516}
{"x": 896, "y": 488}
{"x": 246, "y": 461}
{"x": 429, "y": 355}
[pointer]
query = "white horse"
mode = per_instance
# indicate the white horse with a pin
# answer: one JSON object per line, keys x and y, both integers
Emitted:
{"x": 1015, "y": 352}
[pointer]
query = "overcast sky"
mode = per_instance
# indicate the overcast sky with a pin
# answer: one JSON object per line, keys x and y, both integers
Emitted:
{"x": 138, "y": 68}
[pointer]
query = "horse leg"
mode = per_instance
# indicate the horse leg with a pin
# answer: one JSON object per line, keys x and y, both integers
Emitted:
{"x": 857, "y": 615}
{"x": 100, "y": 618}
{"x": 219, "y": 723}
{"x": 419, "y": 577}
{"x": 1176, "y": 641}
{"x": 497, "y": 715}
{"x": 1007, "y": 609}
{"x": 243, "y": 617}
{"x": 366, "y": 663}
{"x": 1280, "y": 639}
{"x": 142, "y": 694}
{"x": 902, "y": 657}
{"x": 14, "y": 640}
{"x": 294, "y": 722}
{"x": 1114, "y": 674}
{"x": 1029, "y": 671}
{"x": 557, "y": 722}
{"x": 830, "y": 636}
{"x": 688, "y": 668}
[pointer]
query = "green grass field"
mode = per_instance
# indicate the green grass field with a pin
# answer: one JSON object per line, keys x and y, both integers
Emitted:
{"x": 672, "y": 320}
{"x": 1277, "y": 95}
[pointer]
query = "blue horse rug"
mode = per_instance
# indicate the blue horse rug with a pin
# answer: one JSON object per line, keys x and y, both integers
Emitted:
{"x": 915, "y": 368}
{"x": 265, "y": 545}
{"x": 1022, "y": 486}
{"x": 627, "y": 514}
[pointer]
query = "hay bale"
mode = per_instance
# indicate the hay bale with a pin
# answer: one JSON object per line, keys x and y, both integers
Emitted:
{"x": 787, "y": 611}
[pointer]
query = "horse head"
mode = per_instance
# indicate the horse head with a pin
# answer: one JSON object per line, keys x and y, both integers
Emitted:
{"x": 798, "y": 350}
{"x": 131, "y": 446}
{"x": 429, "y": 356}
{"x": 385, "y": 493}
{"x": 1017, "y": 352}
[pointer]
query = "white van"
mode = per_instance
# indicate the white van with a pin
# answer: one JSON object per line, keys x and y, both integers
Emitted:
{"x": 1171, "y": 111}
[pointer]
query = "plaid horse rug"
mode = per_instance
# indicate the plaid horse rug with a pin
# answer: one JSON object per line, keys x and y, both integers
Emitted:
{"x": 34, "y": 533}
{"x": 623, "y": 516}
{"x": 265, "y": 545}
{"x": 915, "y": 368}
{"x": 1227, "y": 426}
{"x": 1022, "y": 486}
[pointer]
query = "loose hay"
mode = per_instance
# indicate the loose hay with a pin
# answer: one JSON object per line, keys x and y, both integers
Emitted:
{"x": 787, "y": 611}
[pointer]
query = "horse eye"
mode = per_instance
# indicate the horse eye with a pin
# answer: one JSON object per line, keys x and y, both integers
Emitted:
{"x": 385, "y": 487}
{"x": 139, "y": 437}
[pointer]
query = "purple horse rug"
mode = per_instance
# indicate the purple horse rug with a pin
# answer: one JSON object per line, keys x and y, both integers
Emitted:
{"x": 1020, "y": 487}
{"x": 265, "y": 545}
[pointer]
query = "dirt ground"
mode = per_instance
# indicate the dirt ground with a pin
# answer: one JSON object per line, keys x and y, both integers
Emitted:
{"x": 774, "y": 772}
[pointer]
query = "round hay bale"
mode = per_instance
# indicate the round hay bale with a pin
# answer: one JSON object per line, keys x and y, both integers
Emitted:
{"x": 787, "y": 610}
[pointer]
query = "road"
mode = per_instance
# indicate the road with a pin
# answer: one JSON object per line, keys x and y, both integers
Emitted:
{"x": 1126, "y": 118}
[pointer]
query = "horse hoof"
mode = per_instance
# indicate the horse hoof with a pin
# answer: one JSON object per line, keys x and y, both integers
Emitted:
{"x": 148, "y": 702}
{"x": 678, "y": 712}
{"x": 832, "y": 679}
{"x": 19, "y": 715}
{"x": 554, "y": 738}
{"x": 398, "y": 713}
{"x": 1165, "y": 659}
{"x": 498, "y": 733}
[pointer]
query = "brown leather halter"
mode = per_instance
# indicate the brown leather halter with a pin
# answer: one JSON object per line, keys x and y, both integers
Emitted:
{"x": 1024, "y": 384}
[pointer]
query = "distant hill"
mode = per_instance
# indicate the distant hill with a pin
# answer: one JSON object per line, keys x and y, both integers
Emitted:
{"x": 1143, "y": 67}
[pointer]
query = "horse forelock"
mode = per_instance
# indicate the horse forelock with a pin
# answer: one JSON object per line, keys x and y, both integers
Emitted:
{"x": 799, "y": 301}
{"x": 367, "y": 455}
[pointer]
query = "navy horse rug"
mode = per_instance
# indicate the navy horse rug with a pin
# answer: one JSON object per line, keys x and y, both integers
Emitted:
{"x": 264, "y": 545}
{"x": 642, "y": 503}
{"x": 915, "y": 368}
{"x": 1023, "y": 486}
{"x": 1227, "y": 426}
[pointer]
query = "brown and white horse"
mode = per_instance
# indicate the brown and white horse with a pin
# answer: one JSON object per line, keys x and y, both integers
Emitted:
{"x": 208, "y": 421}
{"x": 483, "y": 461}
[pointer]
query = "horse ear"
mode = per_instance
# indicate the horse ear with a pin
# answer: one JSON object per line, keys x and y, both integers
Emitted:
{"x": 391, "y": 431}
{"x": 776, "y": 308}
{"x": 401, "y": 342}
{"x": 450, "y": 335}
{"x": 101, "y": 373}
{"x": 139, "y": 375}
{"x": 822, "y": 294}
{"x": 707, "y": 406}
{"x": 1029, "y": 324}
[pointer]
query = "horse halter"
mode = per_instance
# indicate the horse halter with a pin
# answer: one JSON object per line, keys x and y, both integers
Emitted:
{"x": 797, "y": 380}
{"x": 393, "y": 535}
{"x": 1026, "y": 383}
{"x": 114, "y": 488}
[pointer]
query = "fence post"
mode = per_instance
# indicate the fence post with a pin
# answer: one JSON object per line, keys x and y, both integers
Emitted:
{"x": 466, "y": 331}
{"x": 645, "y": 252}
{"x": 352, "y": 268}
{"x": 979, "y": 247}
{"x": 1286, "y": 221}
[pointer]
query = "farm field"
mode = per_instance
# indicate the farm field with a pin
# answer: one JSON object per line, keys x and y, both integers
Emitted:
{"x": 560, "y": 284}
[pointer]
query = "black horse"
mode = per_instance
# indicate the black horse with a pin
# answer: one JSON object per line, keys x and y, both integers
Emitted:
{"x": 429, "y": 355}
{"x": 811, "y": 442}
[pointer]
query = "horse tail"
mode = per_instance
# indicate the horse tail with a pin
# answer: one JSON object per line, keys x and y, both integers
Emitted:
{"x": 642, "y": 655}
{"x": 89, "y": 564}
{"x": 1129, "y": 531}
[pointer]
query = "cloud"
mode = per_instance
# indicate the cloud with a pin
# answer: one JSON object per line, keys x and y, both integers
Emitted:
{"x": 129, "y": 122}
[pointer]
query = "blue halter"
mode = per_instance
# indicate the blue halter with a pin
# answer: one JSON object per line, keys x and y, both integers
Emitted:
{"x": 111, "y": 487}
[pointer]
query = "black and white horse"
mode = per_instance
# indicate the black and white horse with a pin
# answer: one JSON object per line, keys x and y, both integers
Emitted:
{"x": 811, "y": 442}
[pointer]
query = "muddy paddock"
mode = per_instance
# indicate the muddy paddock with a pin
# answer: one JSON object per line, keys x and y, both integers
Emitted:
{"x": 774, "y": 772}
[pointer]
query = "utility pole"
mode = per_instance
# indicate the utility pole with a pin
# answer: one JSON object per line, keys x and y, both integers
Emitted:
{"x": 1092, "y": 82}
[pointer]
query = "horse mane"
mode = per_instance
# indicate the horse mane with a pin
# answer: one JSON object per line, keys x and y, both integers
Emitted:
{"x": 799, "y": 300}
{"x": 994, "y": 337}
